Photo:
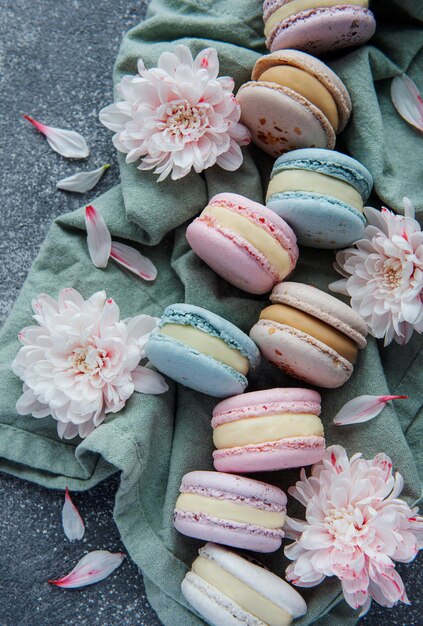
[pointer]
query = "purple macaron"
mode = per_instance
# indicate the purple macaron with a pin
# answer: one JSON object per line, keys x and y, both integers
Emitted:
{"x": 232, "y": 510}
{"x": 317, "y": 26}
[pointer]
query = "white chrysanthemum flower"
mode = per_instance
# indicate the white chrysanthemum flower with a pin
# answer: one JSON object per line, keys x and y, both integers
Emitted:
{"x": 384, "y": 274}
{"x": 178, "y": 116}
{"x": 356, "y": 527}
{"x": 81, "y": 362}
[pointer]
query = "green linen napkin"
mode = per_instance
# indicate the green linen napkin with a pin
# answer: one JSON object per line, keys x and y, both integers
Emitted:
{"x": 156, "y": 439}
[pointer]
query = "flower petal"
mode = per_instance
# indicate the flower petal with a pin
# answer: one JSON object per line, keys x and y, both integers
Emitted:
{"x": 148, "y": 381}
{"x": 73, "y": 525}
{"x": 82, "y": 181}
{"x": 98, "y": 237}
{"x": 407, "y": 100}
{"x": 133, "y": 260}
{"x": 68, "y": 143}
{"x": 362, "y": 409}
{"x": 92, "y": 568}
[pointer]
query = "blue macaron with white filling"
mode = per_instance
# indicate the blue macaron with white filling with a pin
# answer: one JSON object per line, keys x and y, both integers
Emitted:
{"x": 321, "y": 194}
{"x": 202, "y": 350}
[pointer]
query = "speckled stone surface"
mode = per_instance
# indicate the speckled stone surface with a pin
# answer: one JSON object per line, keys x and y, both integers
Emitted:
{"x": 56, "y": 61}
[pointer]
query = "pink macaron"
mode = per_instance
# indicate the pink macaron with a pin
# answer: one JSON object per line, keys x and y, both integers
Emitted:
{"x": 247, "y": 244}
{"x": 268, "y": 430}
{"x": 317, "y": 26}
{"x": 233, "y": 510}
{"x": 310, "y": 334}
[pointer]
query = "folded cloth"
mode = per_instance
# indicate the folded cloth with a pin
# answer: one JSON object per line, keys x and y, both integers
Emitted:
{"x": 154, "y": 440}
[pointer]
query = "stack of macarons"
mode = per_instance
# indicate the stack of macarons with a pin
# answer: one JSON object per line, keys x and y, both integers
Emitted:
{"x": 294, "y": 106}
{"x": 317, "y": 26}
{"x": 293, "y": 101}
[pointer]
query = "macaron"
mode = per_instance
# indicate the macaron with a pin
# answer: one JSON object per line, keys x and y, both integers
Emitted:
{"x": 229, "y": 590}
{"x": 202, "y": 350}
{"x": 317, "y": 26}
{"x": 268, "y": 430}
{"x": 234, "y": 510}
{"x": 293, "y": 101}
{"x": 320, "y": 193}
{"x": 244, "y": 242}
{"x": 310, "y": 335}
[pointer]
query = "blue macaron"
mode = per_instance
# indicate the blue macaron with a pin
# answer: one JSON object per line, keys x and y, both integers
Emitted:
{"x": 202, "y": 351}
{"x": 320, "y": 193}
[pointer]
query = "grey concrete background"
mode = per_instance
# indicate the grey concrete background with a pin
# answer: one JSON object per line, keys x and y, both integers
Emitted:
{"x": 56, "y": 60}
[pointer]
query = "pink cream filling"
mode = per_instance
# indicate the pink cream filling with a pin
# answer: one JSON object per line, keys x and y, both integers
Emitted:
{"x": 272, "y": 408}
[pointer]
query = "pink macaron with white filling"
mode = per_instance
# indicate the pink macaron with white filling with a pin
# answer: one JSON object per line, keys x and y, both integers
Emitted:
{"x": 234, "y": 510}
{"x": 268, "y": 430}
{"x": 244, "y": 242}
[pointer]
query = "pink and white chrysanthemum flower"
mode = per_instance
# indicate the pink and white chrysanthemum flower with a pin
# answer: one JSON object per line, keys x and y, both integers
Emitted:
{"x": 178, "y": 116}
{"x": 384, "y": 274}
{"x": 81, "y": 361}
{"x": 355, "y": 528}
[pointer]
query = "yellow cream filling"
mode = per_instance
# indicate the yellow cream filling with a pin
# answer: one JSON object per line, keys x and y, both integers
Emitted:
{"x": 208, "y": 345}
{"x": 224, "y": 509}
{"x": 257, "y": 236}
{"x": 310, "y": 325}
{"x": 314, "y": 182}
{"x": 296, "y": 6}
{"x": 307, "y": 85}
{"x": 266, "y": 428}
{"x": 241, "y": 593}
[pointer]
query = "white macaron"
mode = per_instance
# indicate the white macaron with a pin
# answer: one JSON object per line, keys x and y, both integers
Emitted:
{"x": 228, "y": 590}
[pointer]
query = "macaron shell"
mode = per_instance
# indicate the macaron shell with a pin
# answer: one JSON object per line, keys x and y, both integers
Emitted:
{"x": 238, "y": 485}
{"x": 322, "y": 29}
{"x": 243, "y": 536}
{"x": 193, "y": 369}
{"x": 331, "y": 163}
{"x": 280, "y": 119}
{"x": 270, "y": 456}
{"x": 324, "y": 306}
{"x": 211, "y": 604}
{"x": 238, "y": 264}
{"x": 276, "y": 396}
{"x": 314, "y": 67}
{"x": 301, "y": 355}
{"x": 319, "y": 221}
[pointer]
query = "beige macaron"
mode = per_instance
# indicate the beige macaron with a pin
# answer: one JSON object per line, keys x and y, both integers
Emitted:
{"x": 293, "y": 101}
{"x": 310, "y": 334}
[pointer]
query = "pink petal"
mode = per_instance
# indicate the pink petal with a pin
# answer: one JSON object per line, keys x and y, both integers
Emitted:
{"x": 408, "y": 208}
{"x": 68, "y": 143}
{"x": 133, "y": 260}
{"x": 82, "y": 182}
{"x": 407, "y": 100}
{"x": 362, "y": 409}
{"x": 92, "y": 568}
{"x": 98, "y": 237}
{"x": 148, "y": 381}
{"x": 339, "y": 286}
{"x": 73, "y": 525}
